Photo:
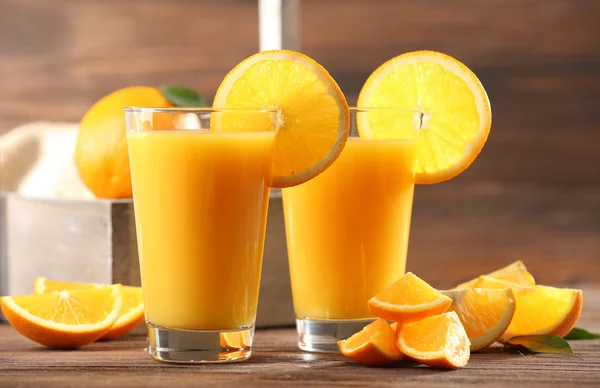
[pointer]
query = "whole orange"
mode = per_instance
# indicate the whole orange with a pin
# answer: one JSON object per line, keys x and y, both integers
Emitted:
{"x": 101, "y": 154}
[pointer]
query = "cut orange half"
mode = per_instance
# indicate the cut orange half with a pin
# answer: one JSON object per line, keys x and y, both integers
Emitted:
{"x": 484, "y": 313}
{"x": 373, "y": 345}
{"x": 540, "y": 309}
{"x": 446, "y": 103}
{"x": 43, "y": 285}
{"x": 313, "y": 119}
{"x": 439, "y": 341}
{"x": 64, "y": 319}
{"x": 131, "y": 314}
{"x": 515, "y": 272}
{"x": 408, "y": 299}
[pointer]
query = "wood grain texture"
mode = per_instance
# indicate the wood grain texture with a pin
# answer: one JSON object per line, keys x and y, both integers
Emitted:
{"x": 538, "y": 59}
{"x": 278, "y": 362}
{"x": 461, "y": 231}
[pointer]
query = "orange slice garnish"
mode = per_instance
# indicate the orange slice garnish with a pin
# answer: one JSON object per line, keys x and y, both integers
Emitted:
{"x": 313, "y": 119}
{"x": 446, "y": 102}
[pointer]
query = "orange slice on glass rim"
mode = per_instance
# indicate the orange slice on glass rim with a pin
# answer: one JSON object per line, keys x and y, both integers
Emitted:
{"x": 313, "y": 119}
{"x": 445, "y": 102}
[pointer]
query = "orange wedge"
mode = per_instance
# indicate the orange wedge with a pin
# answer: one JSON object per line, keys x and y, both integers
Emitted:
{"x": 131, "y": 314}
{"x": 438, "y": 341}
{"x": 64, "y": 319}
{"x": 313, "y": 120}
{"x": 443, "y": 99}
{"x": 236, "y": 340}
{"x": 540, "y": 309}
{"x": 132, "y": 308}
{"x": 373, "y": 345}
{"x": 42, "y": 285}
{"x": 408, "y": 299}
{"x": 515, "y": 272}
{"x": 484, "y": 313}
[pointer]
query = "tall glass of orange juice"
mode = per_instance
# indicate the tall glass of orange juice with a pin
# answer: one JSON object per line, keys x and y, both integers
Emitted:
{"x": 347, "y": 230}
{"x": 200, "y": 199}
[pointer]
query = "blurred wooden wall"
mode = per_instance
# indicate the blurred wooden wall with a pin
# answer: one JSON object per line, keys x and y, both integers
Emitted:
{"x": 538, "y": 59}
{"x": 533, "y": 193}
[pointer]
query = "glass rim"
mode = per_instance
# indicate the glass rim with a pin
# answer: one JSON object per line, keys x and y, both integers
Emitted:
{"x": 196, "y": 109}
{"x": 360, "y": 109}
{"x": 356, "y": 111}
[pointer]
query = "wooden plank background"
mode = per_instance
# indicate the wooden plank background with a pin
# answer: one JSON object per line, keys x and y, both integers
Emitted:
{"x": 533, "y": 193}
{"x": 538, "y": 59}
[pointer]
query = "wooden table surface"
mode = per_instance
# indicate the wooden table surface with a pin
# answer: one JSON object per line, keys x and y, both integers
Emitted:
{"x": 278, "y": 362}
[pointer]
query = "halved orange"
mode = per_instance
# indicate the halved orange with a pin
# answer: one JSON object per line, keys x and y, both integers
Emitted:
{"x": 515, "y": 272}
{"x": 373, "y": 345}
{"x": 438, "y": 341}
{"x": 313, "y": 120}
{"x": 408, "y": 299}
{"x": 484, "y": 313}
{"x": 64, "y": 319}
{"x": 131, "y": 314}
{"x": 540, "y": 309}
{"x": 444, "y": 100}
{"x": 42, "y": 285}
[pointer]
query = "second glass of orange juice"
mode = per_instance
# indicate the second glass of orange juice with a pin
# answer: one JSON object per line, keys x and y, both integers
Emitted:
{"x": 347, "y": 230}
{"x": 200, "y": 201}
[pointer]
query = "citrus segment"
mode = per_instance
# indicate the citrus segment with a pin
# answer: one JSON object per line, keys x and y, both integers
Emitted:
{"x": 539, "y": 309}
{"x": 43, "y": 285}
{"x": 488, "y": 282}
{"x": 408, "y": 299}
{"x": 312, "y": 121}
{"x": 373, "y": 345}
{"x": 438, "y": 341}
{"x": 236, "y": 339}
{"x": 484, "y": 313}
{"x": 132, "y": 307}
{"x": 64, "y": 319}
{"x": 515, "y": 272}
{"x": 443, "y": 99}
{"x": 131, "y": 314}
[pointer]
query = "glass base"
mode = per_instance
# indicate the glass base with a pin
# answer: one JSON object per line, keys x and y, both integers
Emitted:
{"x": 199, "y": 346}
{"x": 323, "y": 335}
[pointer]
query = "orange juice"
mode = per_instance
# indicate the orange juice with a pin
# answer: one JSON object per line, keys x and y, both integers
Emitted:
{"x": 200, "y": 205}
{"x": 347, "y": 229}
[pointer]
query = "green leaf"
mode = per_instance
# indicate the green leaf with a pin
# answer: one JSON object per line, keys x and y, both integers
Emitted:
{"x": 578, "y": 333}
{"x": 182, "y": 96}
{"x": 545, "y": 343}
